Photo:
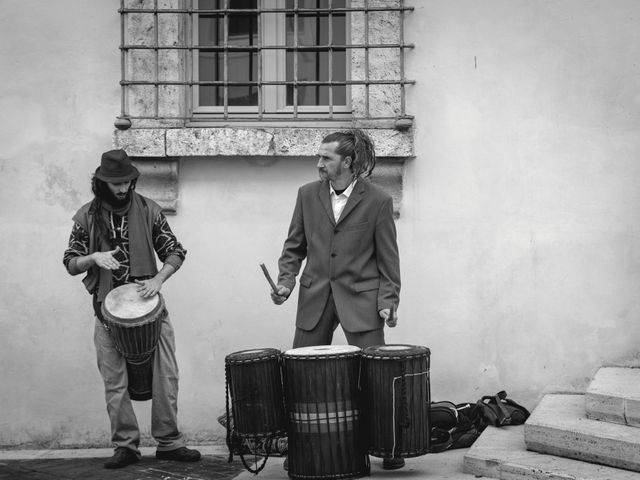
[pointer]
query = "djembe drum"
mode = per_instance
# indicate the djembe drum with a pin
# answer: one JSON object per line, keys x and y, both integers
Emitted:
{"x": 326, "y": 438}
{"x": 254, "y": 383}
{"x": 395, "y": 382}
{"x": 135, "y": 324}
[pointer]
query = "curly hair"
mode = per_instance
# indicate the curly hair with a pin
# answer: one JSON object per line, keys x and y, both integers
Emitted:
{"x": 355, "y": 143}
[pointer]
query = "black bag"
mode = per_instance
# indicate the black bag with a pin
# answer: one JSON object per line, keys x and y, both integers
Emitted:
{"x": 500, "y": 410}
{"x": 454, "y": 426}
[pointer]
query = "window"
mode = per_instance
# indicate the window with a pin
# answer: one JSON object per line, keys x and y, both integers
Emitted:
{"x": 236, "y": 32}
{"x": 189, "y": 62}
{"x": 277, "y": 57}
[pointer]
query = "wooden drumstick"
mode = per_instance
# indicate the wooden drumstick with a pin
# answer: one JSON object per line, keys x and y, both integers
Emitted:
{"x": 268, "y": 277}
{"x": 390, "y": 320}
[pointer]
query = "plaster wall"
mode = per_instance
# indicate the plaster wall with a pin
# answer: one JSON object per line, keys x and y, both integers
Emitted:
{"x": 519, "y": 224}
{"x": 58, "y": 96}
{"x": 518, "y": 229}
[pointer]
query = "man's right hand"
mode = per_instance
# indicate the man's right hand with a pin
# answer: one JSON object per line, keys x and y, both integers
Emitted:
{"x": 106, "y": 260}
{"x": 281, "y": 295}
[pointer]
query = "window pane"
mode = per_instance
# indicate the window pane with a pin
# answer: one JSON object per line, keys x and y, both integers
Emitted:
{"x": 241, "y": 64}
{"x": 313, "y": 30}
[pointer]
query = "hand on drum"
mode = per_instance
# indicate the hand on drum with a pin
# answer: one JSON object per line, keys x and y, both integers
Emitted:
{"x": 281, "y": 295}
{"x": 384, "y": 314}
{"x": 106, "y": 260}
{"x": 148, "y": 288}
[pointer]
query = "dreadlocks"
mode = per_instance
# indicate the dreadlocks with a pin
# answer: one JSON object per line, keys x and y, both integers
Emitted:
{"x": 355, "y": 143}
{"x": 101, "y": 193}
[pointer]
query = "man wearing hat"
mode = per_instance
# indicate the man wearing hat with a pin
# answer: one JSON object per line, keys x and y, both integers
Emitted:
{"x": 115, "y": 239}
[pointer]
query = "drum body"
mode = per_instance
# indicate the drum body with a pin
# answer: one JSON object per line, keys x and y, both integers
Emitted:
{"x": 395, "y": 382}
{"x": 135, "y": 325}
{"x": 326, "y": 437}
{"x": 254, "y": 379}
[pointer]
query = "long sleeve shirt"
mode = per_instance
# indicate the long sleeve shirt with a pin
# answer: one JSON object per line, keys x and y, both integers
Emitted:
{"x": 165, "y": 243}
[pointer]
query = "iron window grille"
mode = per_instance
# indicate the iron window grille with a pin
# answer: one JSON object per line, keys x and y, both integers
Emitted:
{"x": 186, "y": 62}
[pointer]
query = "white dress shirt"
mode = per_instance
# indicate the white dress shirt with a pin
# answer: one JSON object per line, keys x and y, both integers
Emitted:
{"x": 339, "y": 201}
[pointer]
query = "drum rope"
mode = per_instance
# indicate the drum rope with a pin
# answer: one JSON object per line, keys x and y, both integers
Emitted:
{"x": 141, "y": 357}
{"x": 267, "y": 451}
{"x": 405, "y": 421}
{"x": 404, "y": 411}
{"x": 228, "y": 425}
{"x": 236, "y": 441}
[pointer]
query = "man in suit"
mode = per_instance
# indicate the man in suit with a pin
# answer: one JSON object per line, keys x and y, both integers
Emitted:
{"x": 343, "y": 225}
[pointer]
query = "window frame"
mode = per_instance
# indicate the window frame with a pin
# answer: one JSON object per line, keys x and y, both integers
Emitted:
{"x": 271, "y": 98}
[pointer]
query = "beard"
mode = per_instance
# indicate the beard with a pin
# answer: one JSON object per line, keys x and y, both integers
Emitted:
{"x": 115, "y": 201}
{"x": 332, "y": 176}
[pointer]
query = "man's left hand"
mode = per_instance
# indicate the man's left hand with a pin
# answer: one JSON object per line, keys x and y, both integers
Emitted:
{"x": 384, "y": 314}
{"x": 148, "y": 288}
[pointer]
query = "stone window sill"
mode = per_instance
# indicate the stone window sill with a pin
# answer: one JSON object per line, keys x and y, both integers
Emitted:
{"x": 156, "y": 151}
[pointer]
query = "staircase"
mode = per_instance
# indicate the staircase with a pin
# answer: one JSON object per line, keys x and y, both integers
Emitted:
{"x": 595, "y": 435}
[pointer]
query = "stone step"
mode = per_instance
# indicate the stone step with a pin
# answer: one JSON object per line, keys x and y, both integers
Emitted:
{"x": 614, "y": 396}
{"x": 501, "y": 453}
{"x": 559, "y": 426}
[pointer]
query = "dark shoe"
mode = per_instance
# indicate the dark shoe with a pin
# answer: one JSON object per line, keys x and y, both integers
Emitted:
{"x": 121, "y": 458}
{"x": 182, "y": 454}
{"x": 392, "y": 463}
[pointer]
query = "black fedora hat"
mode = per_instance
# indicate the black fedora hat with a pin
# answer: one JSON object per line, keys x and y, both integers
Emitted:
{"x": 116, "y": 167}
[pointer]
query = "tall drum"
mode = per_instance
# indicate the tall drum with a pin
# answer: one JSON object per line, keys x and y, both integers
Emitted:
{"x": 135, "y": 324}
{"x": 326, "y": 438}
{"x": 395, "y": 381}
{"x": 254, "y": 379}
{"x": 254, "y": 383}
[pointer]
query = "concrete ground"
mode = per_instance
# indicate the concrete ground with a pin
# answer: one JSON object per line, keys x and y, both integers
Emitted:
{"x": 86, "y": 464}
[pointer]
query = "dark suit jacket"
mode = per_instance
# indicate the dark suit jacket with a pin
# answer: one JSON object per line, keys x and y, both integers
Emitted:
{"x": 357, "y": 258}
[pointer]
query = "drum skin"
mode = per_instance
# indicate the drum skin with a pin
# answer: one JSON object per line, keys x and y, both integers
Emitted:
{"x": 135, "y": 324}
{"x": 133, "y": 320}
{"x": 255, "y": 384}
{"x": 395, "y": 382}
{"x": 326, "y": 436}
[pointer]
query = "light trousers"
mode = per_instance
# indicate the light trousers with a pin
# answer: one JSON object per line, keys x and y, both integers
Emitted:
{"x": 164, "y": 402}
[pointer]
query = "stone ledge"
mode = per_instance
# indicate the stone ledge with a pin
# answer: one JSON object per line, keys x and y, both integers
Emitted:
{"x": 559, "y": 426}
{"x": 614, "y": 396}
{"x": 157, "y": 151}
{"x": 227, "y": 141}
{"x": 501, "y": 453}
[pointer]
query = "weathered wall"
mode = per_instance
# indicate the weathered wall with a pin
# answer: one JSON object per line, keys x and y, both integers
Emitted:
{"x": 58, "y": 97}
{"x": 520, "y": 222}
{"x": 518, "y": 230}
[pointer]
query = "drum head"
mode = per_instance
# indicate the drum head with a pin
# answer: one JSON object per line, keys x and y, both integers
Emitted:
{"x": 395, "y": 350}
{"x": 125, "y": 302}
{"x": 252, "y": 354}
{"x": 319, "y": 350}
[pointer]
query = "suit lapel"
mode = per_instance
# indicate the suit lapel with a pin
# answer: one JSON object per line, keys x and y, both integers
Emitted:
{"x": 356, "y": 195}
{"x": 325, "y": 200}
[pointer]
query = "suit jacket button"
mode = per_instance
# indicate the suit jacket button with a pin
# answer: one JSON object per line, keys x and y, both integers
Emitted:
{"x": 334, "y": 254}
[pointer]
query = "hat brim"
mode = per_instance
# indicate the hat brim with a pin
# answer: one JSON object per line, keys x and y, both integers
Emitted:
{"x": 124, "y": 178}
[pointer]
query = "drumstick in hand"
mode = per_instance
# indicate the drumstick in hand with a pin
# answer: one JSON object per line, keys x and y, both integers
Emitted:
{"x": 268, "y": 277}
{"x": 391, "y": 321}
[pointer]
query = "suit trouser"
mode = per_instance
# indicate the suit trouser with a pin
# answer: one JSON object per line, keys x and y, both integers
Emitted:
{"x": 322, "y": 333}
{"x": 164, "y": 402}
